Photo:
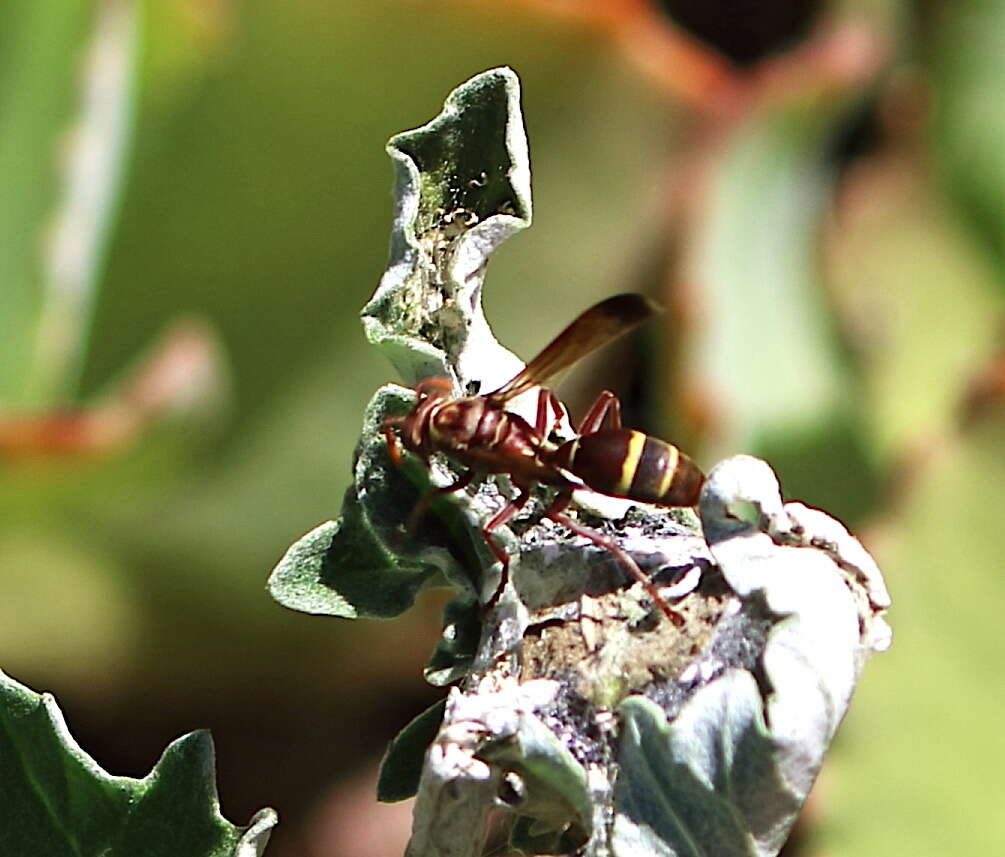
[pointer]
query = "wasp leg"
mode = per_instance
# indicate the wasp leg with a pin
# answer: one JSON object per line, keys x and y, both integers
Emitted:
{"x": 420, "y": 509}
{"x": 547, "y": 399}
{"x": 606, "y": 404}
{"x": 541, "y": 419}
{"x": 556, "y": 511}
{"x": 393, "y": 444}
{"x": 501, "y": 517}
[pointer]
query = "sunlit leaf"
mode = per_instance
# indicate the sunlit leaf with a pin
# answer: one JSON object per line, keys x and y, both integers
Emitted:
{"x": 345, "y": 568}
{"x": 462, "y": 188}
{"x": 58, "y": 801}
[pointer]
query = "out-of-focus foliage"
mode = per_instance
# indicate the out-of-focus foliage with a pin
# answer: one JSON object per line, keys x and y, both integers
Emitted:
{"x": 938, "y": 692}
{"x": 848, "y": 169}
{"x": 967, "y": 75}
{"x": 35, "y": 98}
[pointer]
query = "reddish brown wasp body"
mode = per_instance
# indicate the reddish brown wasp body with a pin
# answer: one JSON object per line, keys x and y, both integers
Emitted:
{"x": 479, "y": 433}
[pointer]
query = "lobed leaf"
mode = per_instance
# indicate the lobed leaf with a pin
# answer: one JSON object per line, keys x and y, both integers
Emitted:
{"x": 345, "y": 568}
{"x": 58, "y": 801}
{"x": 462, "y": 186}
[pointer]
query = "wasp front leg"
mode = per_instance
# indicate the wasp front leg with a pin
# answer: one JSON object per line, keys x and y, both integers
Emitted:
{"x": 500, "y": 518}
{"x": 419, "y": 512}
{"x": 391, "y": 438}
{"x": 396, "y": 454}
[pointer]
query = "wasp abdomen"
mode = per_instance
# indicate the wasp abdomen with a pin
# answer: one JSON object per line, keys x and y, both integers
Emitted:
{"x": 631, "y": 464}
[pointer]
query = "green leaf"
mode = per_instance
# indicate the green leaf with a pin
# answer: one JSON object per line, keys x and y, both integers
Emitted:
{"x": 768, "y": 354}
{"x": 556, "y": 803}
{"x": 969, "y": 124}
{"x": 726, "y": 770}
{"x": 345, "y": 568}
{"x": 895, "y": 259}
{"x": 297, "y": 582}
{"x": 455, "y": 651}
{"x": 40, "y": 48}
{"x": 401, "y": 767}
{"x": 66, "y": 75}
{"x": 57, "y": 801}
{"x": 755, "y": 258}
{"x": 942, "y": 555}
{"x": 665, "y": 805}
{"x": 462, "y": 188}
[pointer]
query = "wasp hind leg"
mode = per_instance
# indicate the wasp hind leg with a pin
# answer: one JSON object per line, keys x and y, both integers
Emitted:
{"x": 606, "y": 404}
{"x": 556, "y": 511}
{"x": 546, "y": 400}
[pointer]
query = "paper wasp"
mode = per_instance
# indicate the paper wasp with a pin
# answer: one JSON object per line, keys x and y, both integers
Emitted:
{"x": 479, "y": 433}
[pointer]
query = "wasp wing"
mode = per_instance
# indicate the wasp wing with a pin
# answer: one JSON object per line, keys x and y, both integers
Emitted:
{"x": 600, "y": 324}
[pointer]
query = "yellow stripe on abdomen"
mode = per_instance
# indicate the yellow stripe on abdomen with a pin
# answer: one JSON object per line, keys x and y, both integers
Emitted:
{"x": 669, "y": 470}
{"x": 630, "y": 463}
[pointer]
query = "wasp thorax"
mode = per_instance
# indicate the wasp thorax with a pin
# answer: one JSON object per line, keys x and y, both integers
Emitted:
{"x": 457, "y": 419}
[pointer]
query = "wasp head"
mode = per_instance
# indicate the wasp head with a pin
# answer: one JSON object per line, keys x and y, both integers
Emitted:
{"x": 436, "y": 387}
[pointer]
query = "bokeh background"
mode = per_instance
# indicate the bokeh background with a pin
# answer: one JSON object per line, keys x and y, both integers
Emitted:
{"x": 194, "y": 205}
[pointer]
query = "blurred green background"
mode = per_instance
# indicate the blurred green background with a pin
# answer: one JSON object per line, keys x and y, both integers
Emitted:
{"x": 816, "y": 191}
